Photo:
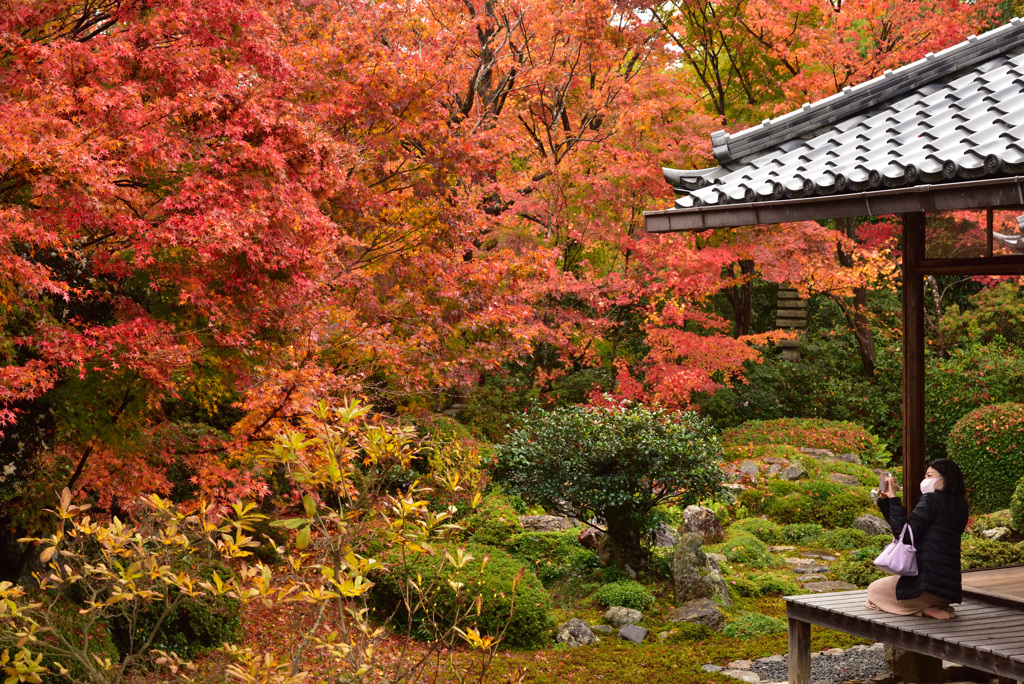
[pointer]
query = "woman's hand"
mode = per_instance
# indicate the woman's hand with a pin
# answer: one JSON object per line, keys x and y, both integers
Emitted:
{"x": 890, "y": 489}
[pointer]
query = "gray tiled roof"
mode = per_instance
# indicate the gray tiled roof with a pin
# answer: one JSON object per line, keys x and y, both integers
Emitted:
{"x": 955, "y": 115}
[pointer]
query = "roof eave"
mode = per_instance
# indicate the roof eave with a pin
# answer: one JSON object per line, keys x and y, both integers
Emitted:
{"x": 1005, "y": 192}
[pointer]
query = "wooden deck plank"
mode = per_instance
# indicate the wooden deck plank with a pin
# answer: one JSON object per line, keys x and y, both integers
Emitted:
{"x": 984, "y": 635}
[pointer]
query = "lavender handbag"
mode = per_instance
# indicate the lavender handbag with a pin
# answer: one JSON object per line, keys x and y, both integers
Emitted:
{"x": 899, "y": 558}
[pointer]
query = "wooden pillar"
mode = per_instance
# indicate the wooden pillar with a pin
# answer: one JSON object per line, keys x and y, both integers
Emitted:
{"x": 913, "y": 358}
{"x": 799, "y": 657}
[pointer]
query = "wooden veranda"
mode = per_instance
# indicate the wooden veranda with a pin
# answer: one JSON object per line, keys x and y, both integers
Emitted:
{"x": 942, "y": 134}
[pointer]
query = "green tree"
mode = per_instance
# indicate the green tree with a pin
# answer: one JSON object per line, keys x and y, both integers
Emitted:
{"x": 614, "y": 465}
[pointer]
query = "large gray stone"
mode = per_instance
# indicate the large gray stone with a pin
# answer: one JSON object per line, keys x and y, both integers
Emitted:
{"x": 616, "y": 616}
{"x": 816, "y": 453}
{"x": 998, "y": 534}
{"x": 795, "y": 471}
{"x": 847, "y": 458}
{"x": 843, "y": 478}
{"x": 810, "y": 569}
{"x": 574, "y": 632}
{"x": 664, "y": 537}
{"x": 603, "y": 629}
{"x": 748, "y": 676}
{"x": 750, "y": 469}
{"x": 871, "y": 524}
{"x": 693, "y": 575}
{"x": 702, "y": 611}
{"x": 704, "y": 522}
{"x": 633, "y": 633}
{"x": 544, "y": 523}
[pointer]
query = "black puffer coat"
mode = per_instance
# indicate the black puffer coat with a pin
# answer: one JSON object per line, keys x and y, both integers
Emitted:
{"x": 937, "y": 522}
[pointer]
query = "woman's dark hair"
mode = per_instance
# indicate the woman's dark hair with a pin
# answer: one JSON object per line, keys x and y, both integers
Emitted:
{"x": 952, "y": 477}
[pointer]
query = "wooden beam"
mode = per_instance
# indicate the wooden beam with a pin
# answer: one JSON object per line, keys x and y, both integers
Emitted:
{"x": 1011, "y": 264}
{"x": 799, "y": 657}
{"x": 913, "y": 357}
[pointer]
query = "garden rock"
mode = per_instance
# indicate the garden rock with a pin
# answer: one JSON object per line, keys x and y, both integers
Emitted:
{"x": 848, "y": 458}
{"x": 816, "y": 453}
{"x": 602, "y": 629}
{"x": 544, "y": 523}
{"x": 824, "y": 587}
{"x": 795, "y": 471}
{"x": 781, "y": 549}
{"x": 739, "y": 665}
{"x": 703, "y": 521}
{"x": 998, "y": 534}
{"x": 843, "y": 478}
{"x": 823, "y": 555}
{"x": 574, "y": 632}
{"x": 617, "y": 616}
{"x": 750, "y": 468}
{"x": 693, "y": 575}
{"x": 774, "y": 469}
{"x": 711, "y": 668}
{"x": 702, "y": 612}
{"x": 590, "y": 538}
{"x": 664, "y": 537}
{"x": 799, "y": 561}
{"x": 871, "y": 524}
{"x": 606, "y": 550}
{"x": 742, "y": 675}
{"x": 715, "y": 561}
{"x": 813, "y": 577}
{"x": 810, "y": 569}
{"x": 633, "y": 633}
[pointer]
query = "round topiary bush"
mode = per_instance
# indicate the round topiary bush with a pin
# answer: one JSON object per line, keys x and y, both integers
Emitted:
{"x": 988, "y": 445}
{"x": 748, "y": 549}
{"x": 494, "y": 522}
{"x": 528, "y": 627}
{"x": 753, "y": 625}
{"x": 1017, "y": 508}
{"x": 630, "y": 594}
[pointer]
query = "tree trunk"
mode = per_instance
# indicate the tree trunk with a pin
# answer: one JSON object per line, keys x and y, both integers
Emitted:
{"x": 627, "y": 547}
{"x": 739, "y": 297}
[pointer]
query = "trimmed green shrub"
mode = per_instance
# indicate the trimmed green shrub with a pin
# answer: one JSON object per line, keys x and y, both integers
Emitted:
{"x": 752, "y": 625}
{"x": 859, "y": 571}
{"x": 801, "y": 534}
{"x": 828, "y": 504}
{"x": 747, "y": 549}
{"x": 616, "y": 464}
{"x": 630, "y": 594}
{"x": 529, "y": 626}
{"x": 988, "y": 445}
{"x": 843, "y": 539}
{"x": 738, "y": 452}
{"x": 1017, "y": 508}
{"x": 838, "y": 436}
{"x": 988, "y": 553}
{"x": 554, "y": 556}
{"x": 494, "y": 522}
{"x": 766, "y": 530}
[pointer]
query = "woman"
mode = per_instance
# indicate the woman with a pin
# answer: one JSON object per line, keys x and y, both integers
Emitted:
{"x": 938, "y": 520}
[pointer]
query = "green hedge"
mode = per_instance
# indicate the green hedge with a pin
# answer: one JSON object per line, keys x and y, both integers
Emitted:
{"x": 1017, "y": 508}
{"x": 530, "y": 624}
{"x": 828, "y": 504}
{"x": 554, "y": 556}
{"x": 988, "y": 445}
{"x": 628, "y": 593}
{"x": 747, "y": 549}
{"x": 987, "y": 553}
{"x": 838, "y": 436}
{"x": 494, "y": 522}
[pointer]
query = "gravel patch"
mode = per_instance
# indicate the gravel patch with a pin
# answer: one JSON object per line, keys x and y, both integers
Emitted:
{"x": 855, "y": 663}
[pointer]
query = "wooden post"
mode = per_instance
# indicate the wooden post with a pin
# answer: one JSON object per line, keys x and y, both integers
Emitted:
{"x": 913, "y": 358}
{"x": 799, "y": 652}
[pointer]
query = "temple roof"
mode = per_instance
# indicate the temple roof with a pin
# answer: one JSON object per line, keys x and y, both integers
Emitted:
{"x": 935, "y": 127}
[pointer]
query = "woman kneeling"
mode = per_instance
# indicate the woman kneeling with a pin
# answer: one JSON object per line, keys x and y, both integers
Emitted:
{"x": 938, "y": 520}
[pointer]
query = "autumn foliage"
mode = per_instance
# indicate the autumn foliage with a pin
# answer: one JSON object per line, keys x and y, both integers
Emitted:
{"x": 213, "y": 214}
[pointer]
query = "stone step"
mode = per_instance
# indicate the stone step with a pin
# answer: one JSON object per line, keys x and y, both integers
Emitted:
{"x": 792, "y": 303}
{"x": 791, "y": 313}
{"x": 790, "y": 323}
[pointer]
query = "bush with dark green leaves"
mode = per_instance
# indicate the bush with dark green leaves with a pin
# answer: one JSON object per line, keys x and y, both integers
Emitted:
{"x": 859, "y": 571}
{"x": 988, "y": 553}
{"x": 629, "y": 593}
{"x": 752, "y": 625}
{"x": 494, "y": 522}
{"x": 1017, "y": 508}
{"x": 554, "y": 556}
{"x": 988, "y": 445}
{"x": 617, "y": 464}
{"x": 529, "y": 624}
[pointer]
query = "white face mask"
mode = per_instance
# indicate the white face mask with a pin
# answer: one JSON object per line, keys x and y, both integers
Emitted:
{"x": 928, "y": 484}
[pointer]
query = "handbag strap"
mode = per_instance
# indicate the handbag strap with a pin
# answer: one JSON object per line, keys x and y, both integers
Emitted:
{"x": 906, "y": 529}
